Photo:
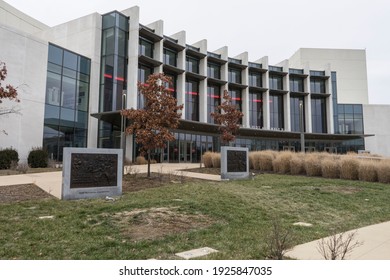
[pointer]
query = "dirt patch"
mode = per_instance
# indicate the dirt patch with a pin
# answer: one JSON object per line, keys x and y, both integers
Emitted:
{"x": 154, "y": 223}
{"x": 17, "y": 193}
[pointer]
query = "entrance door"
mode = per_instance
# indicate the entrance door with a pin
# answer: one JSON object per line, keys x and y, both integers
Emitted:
{"x": 185, "y": 151}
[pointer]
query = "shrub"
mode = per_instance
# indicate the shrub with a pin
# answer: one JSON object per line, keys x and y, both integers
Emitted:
{"x": 254, "y": 157}
{"x": 7, "y": 156}
{"x": 38, "y": 158}
{"x": 141, "y": 160}
{"x": 265, "y": 160}
{"x": 368, "y": 171}
{"x": 297, "y": 164}
{"x": 384, "y": 171}
{"x": 251, "y": 157}
{"x": 216, "y": 160}
{"x": 330, "y": 168}
{"x": 313, "y": 164}
{"x": 349, "y": 168}
{"x": 281, "y": 163}
{"x": 208, "y": 159}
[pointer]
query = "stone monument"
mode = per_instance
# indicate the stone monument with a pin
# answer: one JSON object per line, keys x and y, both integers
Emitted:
{"x": 91, "y": 173}
{"x": 234, "y": 163}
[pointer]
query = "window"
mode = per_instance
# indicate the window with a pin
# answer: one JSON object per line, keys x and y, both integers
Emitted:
{"x": 255, "y": 109}
{"x": 276, "y": 82}
{"x": 234, "y": 76}
{"x": 255, "y": 79}
{"x": 276, "y": 111}
{"x": 296, "y": 84}
{"x": 235, "y": 94}
{"x": 213, "y": 71}
{"x": 143, "y": 74}
{"x": 317, "y": 86}
{"x": 66, "y": 108}
{"x": 318, "y": 115}
{"x": 145, "y": 47}
{"x": 192, "y": 64}
{"x": 213, "y": 100}
{"x": 192, "y": 100}
{"x": 170, "y": 57}
{"x": 350, "y": 119}
{"x": 295, "y": 111}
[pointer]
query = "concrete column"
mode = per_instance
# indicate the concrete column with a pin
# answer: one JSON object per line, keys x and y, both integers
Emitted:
{"x": 245, "y": 92}
{"x": 329, "y": 103}
{"x": 266, "y": 109}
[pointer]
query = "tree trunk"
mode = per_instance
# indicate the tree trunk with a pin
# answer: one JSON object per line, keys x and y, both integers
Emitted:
{"x": 148, "y": 163}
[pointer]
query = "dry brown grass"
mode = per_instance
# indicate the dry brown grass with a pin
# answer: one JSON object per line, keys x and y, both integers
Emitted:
{"x": 208, "y": 159}
{"x": 313, "y": 164}
{"x": 349, "y": 167}
{"x": 384, "y": 171}
{"x": 141, "y": 160}
{"x": 330, "y": 168}
{"x": 216, "y": 160}
{"x": 265, "y": 160}
{"x": 368, "y": 170}
{"x": 297, "y": 164}
{"x": 281, "y": 163}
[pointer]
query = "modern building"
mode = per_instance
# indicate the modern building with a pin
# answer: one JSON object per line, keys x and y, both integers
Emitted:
{"x": 74, "y": 79}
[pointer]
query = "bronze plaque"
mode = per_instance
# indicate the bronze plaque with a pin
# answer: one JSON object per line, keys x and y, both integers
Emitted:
{"x": 93, "y": 170}
{"x": 236, "y": 161}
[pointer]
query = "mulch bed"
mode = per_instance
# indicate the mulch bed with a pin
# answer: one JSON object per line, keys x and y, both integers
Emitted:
{"x": 18, "y": 193}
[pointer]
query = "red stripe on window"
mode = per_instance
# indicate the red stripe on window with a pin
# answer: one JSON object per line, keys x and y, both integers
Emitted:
{"x": 257, "y": 100}
{"x": 108, "y": 76}
{"x": 236, "y": 98}
{"x": 192, "y": 92}
{"x": 120, "y": 79}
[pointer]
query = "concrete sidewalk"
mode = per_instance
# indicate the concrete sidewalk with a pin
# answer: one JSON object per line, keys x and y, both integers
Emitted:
{"x": 375, "y": 239}
{"x": 51, "y": 182}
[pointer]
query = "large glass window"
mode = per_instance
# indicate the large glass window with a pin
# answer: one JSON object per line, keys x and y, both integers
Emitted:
{"x": 296, "y": 84}
{"x": 67, "y": 94}
{"x": 317, "y": 85}
{"x": 318, "y": 115}
{"x": 234, "y": 76}
{"x": 350, "y": 119}
{"x": 143, "y": 74}
{"x": 255, "y": 79}
{"x": 255, "y": 109}
{"x": 236, "y": 96}
{"x": 213, "y": 100}
{"x": 145, "y": 47}
{"x": 192, "y": 100}
{"x": 295, "y": 111}
{"x": 276, "y": 82}
{"x": 192, "y": 64}
{"x": 170, "y": 57}
{"x": 276, "y": 111}
{"x": 213, "y": 70}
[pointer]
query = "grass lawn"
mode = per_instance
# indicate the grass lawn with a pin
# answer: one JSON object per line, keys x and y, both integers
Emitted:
{"x": 233, "y": 217}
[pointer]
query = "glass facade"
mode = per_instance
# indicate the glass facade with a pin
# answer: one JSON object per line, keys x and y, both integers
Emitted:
{"x": 213, "y": 100}
{"x": 145, "y": 47}
{"x": 113, "y": 79}
{"x": 296, "y": 84}
{"x": 66, "y": 102}
{"x": 276, "y": 111}
{"x": 350, "y": 119}
{"x": 255, "y": 110}
{"x": 234, "y": 76}
{"x": 192, "y": 100}
{"x": 318, "y": 115}
{"x": 255, "y": 79}
{"x": 236, "y": 96}
{"x": 317, "y": 85}
{"x": 143, "y": 74}
{"x": 295, "y": 113}
{"x": 170, "y": 57}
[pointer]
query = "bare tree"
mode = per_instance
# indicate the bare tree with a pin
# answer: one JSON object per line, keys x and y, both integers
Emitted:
{"x": 338, "y": 246}
{"x": 228, "y": 117}
{"x": 153, "y": 124}
{"x": 279, "y": 241}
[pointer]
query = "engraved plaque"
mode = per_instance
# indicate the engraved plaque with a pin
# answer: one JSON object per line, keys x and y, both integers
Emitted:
{"x": 236, "y": 161}
{"x": 93, "y": 170}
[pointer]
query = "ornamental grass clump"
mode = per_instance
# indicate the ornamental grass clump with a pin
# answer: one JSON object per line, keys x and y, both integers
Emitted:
{"x": 313, "y": 164}
{"x": 349, "y": 168}
{"x": 384, "y": 171}
{"x": 281, "y": 163}
{"x": 265, "y": 160}
{"x": 208, "y": 159}
{"x": 216, "y": 160}
{"x": 297, "y": 164}
{"x": 254, "y": 158}
{"x": 368, "y": 171}
{"x": 330, "y": 167}
{"x": 141, "y": 160}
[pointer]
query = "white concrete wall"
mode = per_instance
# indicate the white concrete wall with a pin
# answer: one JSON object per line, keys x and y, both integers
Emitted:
{"x": 350, "y": 65}
{"x": 12, "y": 17}
{"x": 376, "y": 119}
{"x": 26, "y": 59}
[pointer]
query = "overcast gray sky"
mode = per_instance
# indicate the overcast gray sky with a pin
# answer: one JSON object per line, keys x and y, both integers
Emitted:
{"x": 274, "y": 28}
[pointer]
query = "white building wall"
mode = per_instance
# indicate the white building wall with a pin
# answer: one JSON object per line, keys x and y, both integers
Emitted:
{"x": 350, "y": 65}
{"x": 375, "y": 122}
{"x": 26, "y": 59}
